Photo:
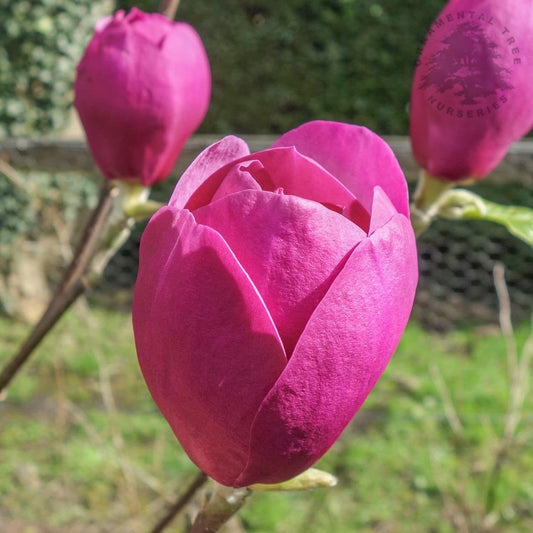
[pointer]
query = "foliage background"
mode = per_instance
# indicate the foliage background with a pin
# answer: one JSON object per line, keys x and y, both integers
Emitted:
{"x": 84, "y": 449}
{"x": 275, "y": 63}
{"x": 40, "y": 44}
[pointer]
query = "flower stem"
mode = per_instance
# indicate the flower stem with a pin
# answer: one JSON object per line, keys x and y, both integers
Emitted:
{"x": 71, "y": 286}
{"x": 169, "y": 8}
{"x": 223, "y": 504}
{"x": 426, "y": 196}
{"x": 182, "y": 501}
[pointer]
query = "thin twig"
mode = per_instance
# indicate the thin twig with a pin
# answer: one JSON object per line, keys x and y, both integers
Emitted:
{"x": 117, "y": 441}
{"x": 93, "y": 434}
{"x": 424, "y": 208}
{"x": 102, "y": 258}
{"x": 169, "y": 8}
{"x": 13, "y": 176}
{"x": 449, "y": 409}
{"x": 72, "y": 285}
{"x": 518, "y": 386}
{"x": 506, "y": 325}
{"x": 182, "y": 501}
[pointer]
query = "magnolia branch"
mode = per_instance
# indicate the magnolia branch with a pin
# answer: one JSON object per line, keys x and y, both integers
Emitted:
{"x": 182, "y": 501}
{"x": 72, "y": 285}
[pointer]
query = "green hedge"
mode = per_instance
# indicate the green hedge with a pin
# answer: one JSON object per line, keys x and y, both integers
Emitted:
{"x": 279, "y": 63}
{"x": 275, "y": 63}
{"x": 41, "y": 42}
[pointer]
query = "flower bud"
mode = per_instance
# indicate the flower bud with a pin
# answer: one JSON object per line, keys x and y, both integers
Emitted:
{"x": 272, "y": 292}
{"x": 142, "y": 88}
{"x": 472, "y": 93}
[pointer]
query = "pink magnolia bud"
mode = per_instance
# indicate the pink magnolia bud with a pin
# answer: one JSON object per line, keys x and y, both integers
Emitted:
{"x": 272, "y": 292}
{"x": 472, "y": 93}
{"x": 142, "y": 88}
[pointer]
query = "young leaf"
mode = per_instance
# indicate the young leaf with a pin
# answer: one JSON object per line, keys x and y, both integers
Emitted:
{"x": 462, "y": 204}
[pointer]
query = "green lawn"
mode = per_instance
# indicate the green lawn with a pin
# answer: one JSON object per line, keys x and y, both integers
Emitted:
{"x": 83, "y": 449}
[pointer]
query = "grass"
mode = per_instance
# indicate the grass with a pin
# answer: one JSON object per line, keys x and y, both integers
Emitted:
{"x": 83, "y": 449}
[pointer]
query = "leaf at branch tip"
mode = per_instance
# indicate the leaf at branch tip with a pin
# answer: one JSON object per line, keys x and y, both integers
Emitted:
{"x": 460, "y": 204}
{"x": 310, "y": 479}
{"x": 517, "y": 219}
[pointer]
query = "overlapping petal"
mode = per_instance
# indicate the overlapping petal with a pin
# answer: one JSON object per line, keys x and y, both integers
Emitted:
{"x": 291, "y": 248}
{"x": 207, "y": 346}
{"x": 213, "y": 158}
{"x": 342, "y": 352}
{"x": 287, "y": 169}
{"x": 356, "y": 156}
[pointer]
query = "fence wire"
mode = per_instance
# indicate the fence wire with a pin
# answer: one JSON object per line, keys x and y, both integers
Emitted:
{"x": 456, "y": 259}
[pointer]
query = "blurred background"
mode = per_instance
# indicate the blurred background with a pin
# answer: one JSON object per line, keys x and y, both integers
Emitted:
{"x": 83, "y": 449}
{"x": 294, "y": 60}
{"x": 275, "y": 65}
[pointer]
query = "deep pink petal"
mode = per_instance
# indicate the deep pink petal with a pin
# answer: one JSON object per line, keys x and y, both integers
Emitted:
{"x": 214, "y": 157}
{"x": 460, "y": 129}
{"x": 285, "y": 168}
{"x": 355, "y": 155}
{"x": 382, "y": 210}
{"x": 207, "y": 346}
{"x": 291, "y": 248}
{"x": 237, "y": 179}
{"x": 341, "y": 354}
{"x": 141, "y": 89}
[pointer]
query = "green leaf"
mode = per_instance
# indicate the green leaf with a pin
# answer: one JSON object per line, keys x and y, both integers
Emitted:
{"x": 462, "y": 204}
{"x": 517, "y": 219}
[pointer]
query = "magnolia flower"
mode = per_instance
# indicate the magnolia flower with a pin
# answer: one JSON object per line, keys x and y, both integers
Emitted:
{"x": 142, "y": 88}
{"x": 472, "y": 93}
{"x": 272, "y": 291}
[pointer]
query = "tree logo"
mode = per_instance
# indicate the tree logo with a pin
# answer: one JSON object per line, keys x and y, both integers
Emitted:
{"x": 469, "y": 64}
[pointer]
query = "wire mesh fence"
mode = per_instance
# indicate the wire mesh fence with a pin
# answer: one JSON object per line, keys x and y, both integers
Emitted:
{"x": 456, "y": 259}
